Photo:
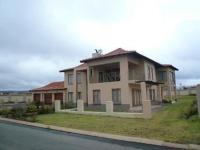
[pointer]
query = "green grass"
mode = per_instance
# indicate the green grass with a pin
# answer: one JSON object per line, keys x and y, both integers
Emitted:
{"x": 167, "y": 124}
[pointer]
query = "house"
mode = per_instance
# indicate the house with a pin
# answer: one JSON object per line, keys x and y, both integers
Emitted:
{"x": 119, "y": 76}
{"x": 49, "y": 93}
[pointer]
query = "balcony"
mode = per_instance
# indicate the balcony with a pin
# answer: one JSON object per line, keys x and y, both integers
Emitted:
{"x": 104, "y": 73}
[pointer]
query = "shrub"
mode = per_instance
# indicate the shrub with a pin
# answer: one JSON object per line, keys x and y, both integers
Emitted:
{"x": 45, "y": 109}
{"x": 166, "y": 101}
{"x": 70, "y": 104}
{"x": 31, "y": 108}
{"x": 5, "y": 112}
{"x": 18, "y": 112}
{"x": 192, "y": 110}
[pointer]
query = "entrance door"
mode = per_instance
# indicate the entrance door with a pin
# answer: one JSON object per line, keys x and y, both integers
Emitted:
{"x": 136, "y": 97}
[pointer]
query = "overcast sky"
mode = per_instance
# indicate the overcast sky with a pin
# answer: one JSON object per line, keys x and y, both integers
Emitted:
{"x": 40, "y": 37}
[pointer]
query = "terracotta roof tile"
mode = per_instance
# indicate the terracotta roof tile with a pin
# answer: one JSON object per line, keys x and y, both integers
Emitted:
{"x": 51, "y": 86}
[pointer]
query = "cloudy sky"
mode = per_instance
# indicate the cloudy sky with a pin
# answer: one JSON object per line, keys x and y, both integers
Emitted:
{"x": 40, "y": 37}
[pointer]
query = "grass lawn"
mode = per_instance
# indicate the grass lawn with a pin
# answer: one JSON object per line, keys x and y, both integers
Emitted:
{"x": 167, "y": 124}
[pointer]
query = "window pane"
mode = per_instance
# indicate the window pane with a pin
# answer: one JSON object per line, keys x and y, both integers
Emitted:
{"x": 116, "y": 96}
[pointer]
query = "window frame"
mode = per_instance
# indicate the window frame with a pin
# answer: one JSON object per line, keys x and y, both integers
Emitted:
{"x": 116, "y": 96}
{"x": 70, "y": 79}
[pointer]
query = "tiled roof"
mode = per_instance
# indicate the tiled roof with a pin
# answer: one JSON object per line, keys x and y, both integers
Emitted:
{"x": 77, "y": 67}
{"x": 51, "y": 86}
{"x": 116, "y": 52}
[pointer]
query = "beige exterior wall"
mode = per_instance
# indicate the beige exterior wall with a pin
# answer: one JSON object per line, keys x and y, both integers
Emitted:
{"x": 106, "y": 87}
{"x": 168, "y": 87}
{"x": 76, "y": 87}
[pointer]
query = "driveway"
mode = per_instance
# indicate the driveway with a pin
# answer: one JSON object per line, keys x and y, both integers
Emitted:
{"x": 20, "y": 137}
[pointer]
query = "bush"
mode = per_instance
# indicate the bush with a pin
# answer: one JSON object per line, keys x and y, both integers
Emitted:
{"x": 5, "y": 112}
{"x": 70, "y": 104}
{"x": 45, "y": 110}
{"x": 18, "y": 113}
{"x": 31, "y": 108}
{"x": 192, "y": 110}
{"x": 166, "y": 101}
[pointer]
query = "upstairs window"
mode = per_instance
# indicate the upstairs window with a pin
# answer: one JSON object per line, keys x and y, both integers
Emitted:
{"x": 78, "y": 78}
{"x": 70, "y": 79}
{"x": 162, "y": 76}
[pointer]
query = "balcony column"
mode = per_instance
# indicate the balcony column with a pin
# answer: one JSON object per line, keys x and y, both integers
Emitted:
{"x": 74, "y": 86}
{"x": 125, "y": 89}
{"x": 146, "y": 103}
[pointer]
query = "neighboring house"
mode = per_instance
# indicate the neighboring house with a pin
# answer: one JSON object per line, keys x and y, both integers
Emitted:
{"x": 117, "y": 77}
{"x": 49, "y": 93}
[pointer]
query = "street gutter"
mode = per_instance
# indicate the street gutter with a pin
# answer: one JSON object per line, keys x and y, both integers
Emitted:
{"x": 108, "y": 136}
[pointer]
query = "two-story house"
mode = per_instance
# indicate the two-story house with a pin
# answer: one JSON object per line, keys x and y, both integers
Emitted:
{"x": 117, "y": 77}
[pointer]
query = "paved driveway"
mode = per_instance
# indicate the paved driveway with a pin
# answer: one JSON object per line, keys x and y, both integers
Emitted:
{"x": 20, "y": 137}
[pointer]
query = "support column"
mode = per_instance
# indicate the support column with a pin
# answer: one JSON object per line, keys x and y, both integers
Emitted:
{"x": 74, "y": 86}
{"x": 198, "y": 98}
{"x": 53, "y": 98}
{"x": 146, "y": 103}
{"x": 57, "y": 105}
{"x": 42, "y": 97}
{"x": 159, "y": 93}
{"x": 80, "y": 106}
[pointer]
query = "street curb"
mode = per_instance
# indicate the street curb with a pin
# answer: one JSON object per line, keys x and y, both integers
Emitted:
{"x": 108, "y": 136}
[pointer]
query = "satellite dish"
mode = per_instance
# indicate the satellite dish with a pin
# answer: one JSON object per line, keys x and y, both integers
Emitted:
{"x": 98, "y": 51}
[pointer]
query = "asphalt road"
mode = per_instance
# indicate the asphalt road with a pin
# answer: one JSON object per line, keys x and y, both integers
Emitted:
{"x": 20, "y": 137}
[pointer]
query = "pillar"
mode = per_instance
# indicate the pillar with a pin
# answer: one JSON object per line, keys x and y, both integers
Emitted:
{"x": 109, "y": 106}
{"x": 57, "y": 105}
{"x": 80, "y": 106}
{"x": 159, "y": 93}
{"x": 146, "y": 103}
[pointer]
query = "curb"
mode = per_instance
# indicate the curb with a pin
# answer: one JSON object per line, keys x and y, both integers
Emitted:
{"x": 108, "y": 136}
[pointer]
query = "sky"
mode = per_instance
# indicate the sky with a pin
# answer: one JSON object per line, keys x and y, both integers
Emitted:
{"x": 40, "y": 37}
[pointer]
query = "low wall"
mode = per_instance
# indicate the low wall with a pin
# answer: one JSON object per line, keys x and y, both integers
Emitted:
{"x": 186, "y": 92}
{"x": 16, "y": 98}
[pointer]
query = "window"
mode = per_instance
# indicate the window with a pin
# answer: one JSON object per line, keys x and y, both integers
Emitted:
{"x": 109, "y": 75}
{"x": 100, "y": 77}
{"x": 91, "y": 72}
{"x": 70, "y": 96}
{"x": 78, "y": 78}
{"x": 152, "y": 94}
{"x": 79, "y": 95}
{"x": 116, "y": 96}
{"x": 162, "y": 75}
{"x": 152, "y": 73}
{"x": 149, "y": 73}
{"x": 96, "y": 97}
{"x": 70, "y": 79}
{"x": 136, "y": 97}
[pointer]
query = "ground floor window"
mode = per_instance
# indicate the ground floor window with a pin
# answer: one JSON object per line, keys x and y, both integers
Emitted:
{"x": 79, "y": 95}
{"x": 136, "y": 97}
{"x": 36, "y": 97}
{"x": 116, "y": 96}
{"x": 96, "y": 97}
{"x": 70, "y": 96}
{"x": 152, "y": 94}
{"x": 48, "y": 98}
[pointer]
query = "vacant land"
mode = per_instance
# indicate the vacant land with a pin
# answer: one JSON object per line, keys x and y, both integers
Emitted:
{"x": 167, "y": 124}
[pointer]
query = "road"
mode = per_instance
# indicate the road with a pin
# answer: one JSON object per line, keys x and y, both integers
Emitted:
{"x": 20, "y": 137}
